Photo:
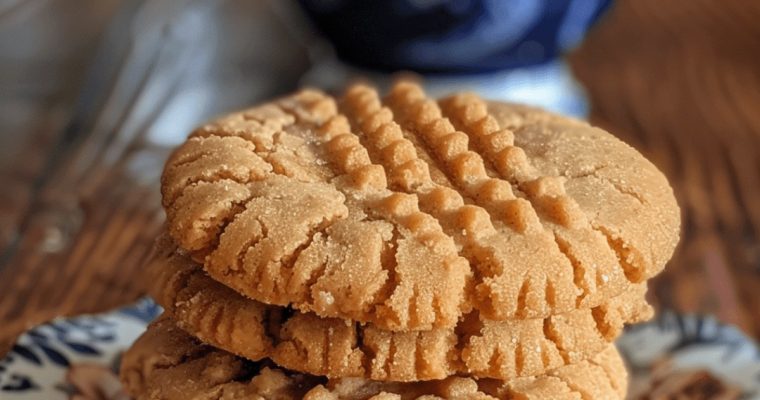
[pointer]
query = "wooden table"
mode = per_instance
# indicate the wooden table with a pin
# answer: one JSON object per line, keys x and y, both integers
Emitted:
{"x": 678, "y": 80}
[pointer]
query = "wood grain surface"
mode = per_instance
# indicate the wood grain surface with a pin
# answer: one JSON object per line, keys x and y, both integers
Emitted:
{"x": 678, "y": 80}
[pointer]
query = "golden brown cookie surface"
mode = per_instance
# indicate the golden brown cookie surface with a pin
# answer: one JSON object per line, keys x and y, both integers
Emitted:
{"x": 332, "y": 347}
{"x": 166, "y": 363}
{"x": 407, "y": 213}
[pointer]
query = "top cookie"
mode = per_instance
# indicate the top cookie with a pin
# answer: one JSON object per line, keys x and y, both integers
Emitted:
{"x": 406, "y": 212}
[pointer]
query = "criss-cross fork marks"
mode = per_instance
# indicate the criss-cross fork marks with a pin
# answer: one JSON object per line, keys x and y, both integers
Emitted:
{"x": 559, "y": 214}
{"x": 482, "y": 212}
{"x": 602, "y": 260}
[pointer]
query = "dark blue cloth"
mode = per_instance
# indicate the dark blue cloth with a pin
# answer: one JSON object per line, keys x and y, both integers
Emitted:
{"x": 452, "y": 35}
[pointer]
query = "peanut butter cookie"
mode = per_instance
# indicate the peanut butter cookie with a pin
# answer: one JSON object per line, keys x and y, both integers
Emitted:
{"x": 408, "y": 213}
{"x": 332, "y": 347}
{"x": 166, "y": 363}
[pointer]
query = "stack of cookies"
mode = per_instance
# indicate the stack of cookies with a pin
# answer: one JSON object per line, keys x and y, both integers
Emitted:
{"x": 399, "y": 247}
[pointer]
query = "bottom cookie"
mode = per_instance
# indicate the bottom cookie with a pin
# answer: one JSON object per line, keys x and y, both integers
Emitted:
{"x": 166, "y": 363}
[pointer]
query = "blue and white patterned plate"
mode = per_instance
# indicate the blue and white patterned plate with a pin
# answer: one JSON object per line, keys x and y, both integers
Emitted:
{"x": 39, "y": 365}
{"x": 690, "y": 342}
{"x": 36, "y": 366}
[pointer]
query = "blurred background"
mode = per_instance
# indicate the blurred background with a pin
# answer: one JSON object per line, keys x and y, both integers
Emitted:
{"x": 94, "y": 93}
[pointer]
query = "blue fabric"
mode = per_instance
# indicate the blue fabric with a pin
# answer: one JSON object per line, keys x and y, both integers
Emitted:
{"x": 453, "y": 36}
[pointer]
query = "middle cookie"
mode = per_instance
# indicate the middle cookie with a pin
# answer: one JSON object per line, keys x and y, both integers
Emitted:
{"x": 333, "y": 347}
